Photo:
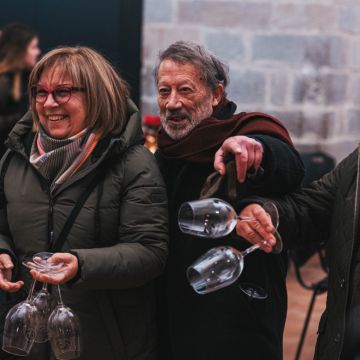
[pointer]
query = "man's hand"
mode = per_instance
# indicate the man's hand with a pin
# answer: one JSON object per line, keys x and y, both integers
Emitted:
{"x": 6, "y": 266}
{"x": 257, "y": 230}
{"x": 64, "y": 274}
{"x": 248, "y": 155}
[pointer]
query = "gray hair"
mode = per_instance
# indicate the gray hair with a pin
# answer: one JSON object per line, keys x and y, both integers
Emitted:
{"x": 214, "y": 71}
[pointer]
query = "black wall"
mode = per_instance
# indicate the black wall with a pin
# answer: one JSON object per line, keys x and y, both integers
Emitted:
{"x": 112, "y": 27}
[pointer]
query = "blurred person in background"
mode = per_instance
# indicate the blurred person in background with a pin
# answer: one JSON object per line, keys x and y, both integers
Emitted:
{"x": 196, "y": 119}
{"x": 83, "y": 133}
{"x": 19, "y": 50}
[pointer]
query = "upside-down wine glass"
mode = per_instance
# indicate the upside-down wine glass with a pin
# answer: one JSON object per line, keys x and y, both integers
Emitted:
{"x": 64, "y": 331}
{"x": 20, "y": 327}
{"x": 221, "y": 266}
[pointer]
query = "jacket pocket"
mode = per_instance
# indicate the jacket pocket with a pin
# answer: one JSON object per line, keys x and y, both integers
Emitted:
{"x": 111, "y": 325}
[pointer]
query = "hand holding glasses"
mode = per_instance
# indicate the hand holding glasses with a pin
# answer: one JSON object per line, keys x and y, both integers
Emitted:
{"x": 60, "y": 325}
{"x": 215, "y": 218}
{"x": 220, "y": 266}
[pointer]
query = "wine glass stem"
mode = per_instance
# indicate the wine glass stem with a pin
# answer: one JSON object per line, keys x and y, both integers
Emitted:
{"x": 60, "y": 298}
{"x": 31, "y": 291}
{"x": 250, "y": 249}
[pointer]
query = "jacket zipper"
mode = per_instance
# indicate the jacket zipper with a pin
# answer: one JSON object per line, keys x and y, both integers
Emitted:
{"x": 50, "y": 221}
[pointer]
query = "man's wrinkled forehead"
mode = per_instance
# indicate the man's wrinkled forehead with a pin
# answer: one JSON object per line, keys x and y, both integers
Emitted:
{"x": 170, "y": 69}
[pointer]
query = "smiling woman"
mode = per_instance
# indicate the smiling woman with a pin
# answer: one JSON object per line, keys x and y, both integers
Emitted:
{"x": 82, "y": 144}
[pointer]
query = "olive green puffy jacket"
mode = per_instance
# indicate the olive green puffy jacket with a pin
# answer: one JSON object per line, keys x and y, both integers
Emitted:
{"x": 120, "y": 238}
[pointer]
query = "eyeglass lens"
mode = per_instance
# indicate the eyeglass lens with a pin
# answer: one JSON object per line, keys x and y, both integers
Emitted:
{"x": 61, "y": 94}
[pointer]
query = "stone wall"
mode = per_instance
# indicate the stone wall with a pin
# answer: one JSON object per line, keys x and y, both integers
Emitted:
{"x": 296, "y": 59}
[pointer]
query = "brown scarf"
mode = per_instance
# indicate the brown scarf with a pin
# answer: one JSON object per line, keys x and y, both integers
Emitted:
{"x": 201, "y": 143}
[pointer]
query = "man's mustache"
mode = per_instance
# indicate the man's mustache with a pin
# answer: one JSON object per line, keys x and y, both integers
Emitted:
{"x": 176, "y": 115}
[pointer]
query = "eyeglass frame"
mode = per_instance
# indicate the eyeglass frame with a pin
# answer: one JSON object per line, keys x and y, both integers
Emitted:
{"x": 52, "y": 90}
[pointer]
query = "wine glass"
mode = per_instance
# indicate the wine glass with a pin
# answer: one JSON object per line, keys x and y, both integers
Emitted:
{"x": 20, "y": 327}
{"x": 214, "y": 218}
{"x": 220, "y": 267}
{"x": 64, "y": 331}
{"x": 43, "y": 300}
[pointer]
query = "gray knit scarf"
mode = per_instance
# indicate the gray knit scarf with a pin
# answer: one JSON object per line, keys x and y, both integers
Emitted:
{"x": 53, "y": 158}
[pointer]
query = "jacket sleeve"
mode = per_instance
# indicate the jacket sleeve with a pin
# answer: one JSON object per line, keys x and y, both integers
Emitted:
{"x": 306, "y": 215}
{"x": 141, "y": 252}
{"x": 283, "y": 169}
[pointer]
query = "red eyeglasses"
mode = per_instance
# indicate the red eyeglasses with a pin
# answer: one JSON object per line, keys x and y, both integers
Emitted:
{"x": 61, "y": 94}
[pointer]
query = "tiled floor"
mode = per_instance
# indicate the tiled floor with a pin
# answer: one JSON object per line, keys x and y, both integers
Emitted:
{"x": 298, "y": 302}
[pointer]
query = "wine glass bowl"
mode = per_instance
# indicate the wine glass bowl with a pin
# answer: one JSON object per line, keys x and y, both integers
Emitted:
{"x": 216, "y": 269}
{"x": 64, "y": 333}
{"x": 207, "y": 218}
{"x": 20, "y": 329}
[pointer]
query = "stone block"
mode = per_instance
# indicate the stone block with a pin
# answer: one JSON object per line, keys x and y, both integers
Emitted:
{"x": 247, "y": 87}
{"x": 287, "y": 49}
{"x": 228, "y": 46}
{"x": 303, "y": 16}
{"x": 354, "y": 122}
{"x": 298, "y": 49}
{"x": 329, "y": 51}
{"x": 158, "y": 11}
{"x": 320, "y": 89}
{"x": 156, "y": 39}
{"x": 320, "y": 125}
{"x": 278, "y": 88}
{"x": 335, "y": 86}
{"x": 349, "y": 20}
{"x": 243, "y": 15}
{"x": 355, "y": 89}
{"x": 292, "y": 121}
{"x": 355, "y": 54}
{"x": 308, "y": 87}
{"x": 353, "y": 3}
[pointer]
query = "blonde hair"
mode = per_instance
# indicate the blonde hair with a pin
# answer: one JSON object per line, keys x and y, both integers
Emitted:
{"x": 105, "y": 92}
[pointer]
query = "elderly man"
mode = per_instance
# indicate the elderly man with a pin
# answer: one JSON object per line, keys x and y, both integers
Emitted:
{"x": 196, "y": 119}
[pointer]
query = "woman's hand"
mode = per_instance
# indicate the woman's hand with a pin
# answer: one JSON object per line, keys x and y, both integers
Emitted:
{"x": 258, "y": 230}
{"x": 6, "y": 266}
{"x": 248, "y": 155}
{"x": 65, "y": 273}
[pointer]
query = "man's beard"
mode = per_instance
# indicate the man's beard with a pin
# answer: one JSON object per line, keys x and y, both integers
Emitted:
{"x": 175, "y": 133}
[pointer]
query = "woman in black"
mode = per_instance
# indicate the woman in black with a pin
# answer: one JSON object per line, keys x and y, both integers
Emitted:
{"x": 18, "y": 54}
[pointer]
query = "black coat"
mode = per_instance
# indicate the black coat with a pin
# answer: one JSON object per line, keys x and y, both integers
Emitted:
{"x": 11, "y": 110}
{"x": 330, "y": 208}
{"x": 225, "y": 324}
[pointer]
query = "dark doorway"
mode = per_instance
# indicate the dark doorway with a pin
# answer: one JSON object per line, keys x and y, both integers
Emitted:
{"x": 112, "y": 27}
